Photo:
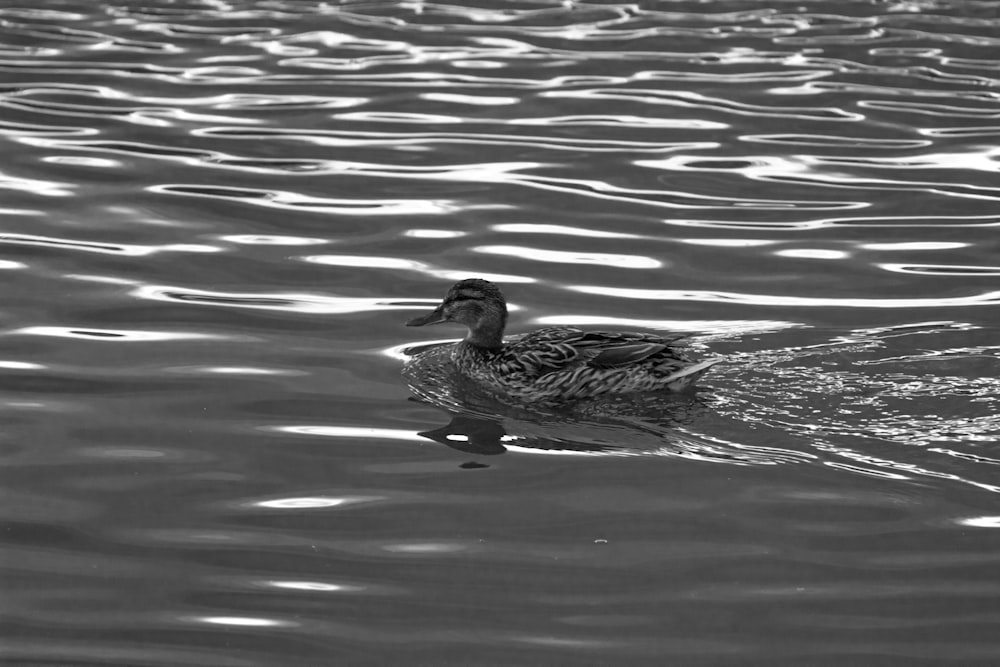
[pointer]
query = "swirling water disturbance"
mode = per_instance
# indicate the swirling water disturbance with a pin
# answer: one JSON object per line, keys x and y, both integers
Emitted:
{"x": 216, "y": 216}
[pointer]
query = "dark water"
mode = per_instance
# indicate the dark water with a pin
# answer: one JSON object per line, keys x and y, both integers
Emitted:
{"x": 216, "y": 216}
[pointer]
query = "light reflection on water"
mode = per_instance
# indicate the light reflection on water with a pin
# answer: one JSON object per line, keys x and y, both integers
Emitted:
{"x": 217, "y": 216}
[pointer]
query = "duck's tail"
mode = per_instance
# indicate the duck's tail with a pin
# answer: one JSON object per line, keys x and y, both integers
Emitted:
{"x": 685, "y": 377}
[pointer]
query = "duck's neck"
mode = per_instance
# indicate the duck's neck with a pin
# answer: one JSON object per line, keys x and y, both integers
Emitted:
{"x": 487, "y": 333}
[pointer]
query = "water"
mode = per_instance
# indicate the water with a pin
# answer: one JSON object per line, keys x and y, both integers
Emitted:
{"x": 217, "y": 216}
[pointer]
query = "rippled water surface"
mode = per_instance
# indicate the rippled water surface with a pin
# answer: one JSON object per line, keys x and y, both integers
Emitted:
{"x": 216, "y": 216}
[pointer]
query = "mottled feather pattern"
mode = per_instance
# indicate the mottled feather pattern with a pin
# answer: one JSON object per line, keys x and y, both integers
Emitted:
{"x": 566, "y": 363}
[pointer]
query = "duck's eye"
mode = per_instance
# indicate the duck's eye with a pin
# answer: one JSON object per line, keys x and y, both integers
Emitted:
{"x": 465, "y": 307}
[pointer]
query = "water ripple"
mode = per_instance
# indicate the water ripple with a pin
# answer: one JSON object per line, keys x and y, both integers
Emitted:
{"x": 116, "y": 335}
{"x": 131, "y": 250}
{"x": 983, "y": 299}
{"x": 216, "y": 216}
{"x": 293, "y": 201}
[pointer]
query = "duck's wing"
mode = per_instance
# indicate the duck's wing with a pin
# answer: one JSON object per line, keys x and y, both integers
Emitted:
{"x": 542, "y": 351}
{"x": 563, "y": 348}
{"x": 612, "y": 356}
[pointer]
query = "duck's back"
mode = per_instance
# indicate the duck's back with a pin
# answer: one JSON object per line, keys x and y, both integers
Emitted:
{"x": 565, "y": 363}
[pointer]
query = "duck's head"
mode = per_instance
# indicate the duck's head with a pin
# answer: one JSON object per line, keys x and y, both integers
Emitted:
{"x": 476, "y": 303}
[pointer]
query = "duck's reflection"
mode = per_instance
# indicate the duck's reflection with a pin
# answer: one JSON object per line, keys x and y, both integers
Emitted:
{"x": 587, "y": 430}
{"x": 473, "y": 435}
{"x": 489, "y": 436}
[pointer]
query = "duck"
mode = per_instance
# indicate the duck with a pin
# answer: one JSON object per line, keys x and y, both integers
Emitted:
{"x": 556, "y": 364}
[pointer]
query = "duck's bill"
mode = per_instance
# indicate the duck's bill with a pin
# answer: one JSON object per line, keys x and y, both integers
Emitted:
{"x": 436, "y": 316}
